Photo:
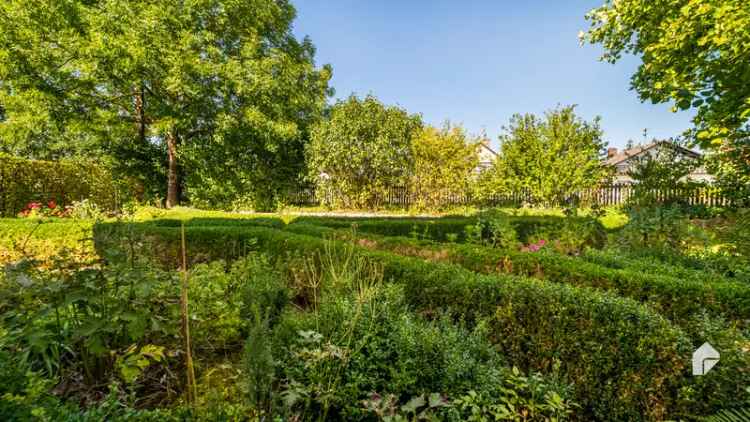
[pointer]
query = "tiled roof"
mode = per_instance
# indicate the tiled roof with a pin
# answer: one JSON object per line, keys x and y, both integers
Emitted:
{"x": 628, "y": 153}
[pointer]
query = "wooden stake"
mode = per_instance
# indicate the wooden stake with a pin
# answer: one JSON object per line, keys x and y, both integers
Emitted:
{"x": 191, "y": 387}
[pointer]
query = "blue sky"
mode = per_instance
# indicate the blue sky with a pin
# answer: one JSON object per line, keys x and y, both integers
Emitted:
{"x": 477, "y": 62}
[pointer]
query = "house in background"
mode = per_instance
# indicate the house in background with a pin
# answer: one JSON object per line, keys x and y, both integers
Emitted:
{"x": 623, "y": 161}
{"x": 487, "y": 155}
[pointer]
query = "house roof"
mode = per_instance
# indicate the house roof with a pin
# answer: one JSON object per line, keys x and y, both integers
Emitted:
{"x": 486, "y": 145}
{"x": 632, "y": 152}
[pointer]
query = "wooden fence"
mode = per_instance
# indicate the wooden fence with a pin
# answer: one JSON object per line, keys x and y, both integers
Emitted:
{"x": 604, "y": 196}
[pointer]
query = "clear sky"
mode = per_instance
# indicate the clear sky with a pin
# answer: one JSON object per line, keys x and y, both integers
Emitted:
{"x": 477, "y": 62}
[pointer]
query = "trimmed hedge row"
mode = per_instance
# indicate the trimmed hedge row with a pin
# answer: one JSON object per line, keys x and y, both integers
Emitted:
{"x": 679, "y": 300}
{"x": 622, "y": 260}
{"x": 444, "y": 228}
{"x": 219, "y": 222}
{"x": 625, "y": 361}
{"x": 23, "y": 181}
{"x": 44, "y": 239}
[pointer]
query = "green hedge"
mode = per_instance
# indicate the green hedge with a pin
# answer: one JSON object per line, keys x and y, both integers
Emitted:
{"x": 218, "y": 222}
{"x": 444, "y": 228}
{"x": 23, "y": 181}
{"x": 626, "y": 361}
{"x": 623, "y": 260}
{"x": 678, "y": 299}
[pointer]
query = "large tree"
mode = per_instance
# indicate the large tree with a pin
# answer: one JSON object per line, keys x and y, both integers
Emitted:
{"x": 551, "y": 157}
{"x": 217, "y": 91}
{"x": 361, "y": 151}
{"x": 445, "y": 160}
{"x": 695, "y": 53}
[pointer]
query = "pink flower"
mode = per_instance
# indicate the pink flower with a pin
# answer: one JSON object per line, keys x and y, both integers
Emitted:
{"x": 541, "y": 242}
{"x": 34, "y": 206}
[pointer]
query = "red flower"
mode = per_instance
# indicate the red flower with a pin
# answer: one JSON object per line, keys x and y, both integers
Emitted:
{"x": 52, "y": 204}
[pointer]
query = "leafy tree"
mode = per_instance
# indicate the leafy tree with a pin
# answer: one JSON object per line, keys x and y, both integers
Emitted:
{"x": 361, "y": 151}
{"x": 695, "y": 53}
{"x": 660, "y": 169}
{"x": 552, "y": 157}
{"x": 663, "y": 166}
{"x": 217, "y": 91}
{"x": 444, "y": 163}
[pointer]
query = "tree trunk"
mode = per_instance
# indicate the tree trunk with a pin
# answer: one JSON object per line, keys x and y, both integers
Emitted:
{"x": 173, "y": 171}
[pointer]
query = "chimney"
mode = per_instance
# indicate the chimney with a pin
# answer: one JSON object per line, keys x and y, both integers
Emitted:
{"x": 611, "y": 152}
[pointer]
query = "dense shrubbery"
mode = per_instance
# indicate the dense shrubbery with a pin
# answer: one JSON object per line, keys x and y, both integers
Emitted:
{"x": 480, "y": 229}
{"x": 674, "y": 297}
{"x": 293, "y": 331}
{"x": 62, "y": 182}
{"x": 363, "y": 354}
{"x": 604, "y": 344}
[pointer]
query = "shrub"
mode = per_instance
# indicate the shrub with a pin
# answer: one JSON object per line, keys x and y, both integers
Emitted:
{"x": 361, "y": 348}
{"x": 625, "y": 361}
{"x": 494, "y": 230}
{"x": 24, "y": 181}
{"x": 589, "y": 230}
{"x": 648, "y": 264}
{"x": 87, "y": 324}
{"x": 675, "y": 297}
{"x": 45, "y": 239}
{"x": 665, "y": 229}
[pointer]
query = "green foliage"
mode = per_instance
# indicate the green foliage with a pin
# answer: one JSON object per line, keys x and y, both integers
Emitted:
{"x": 494, "y": 230}
{"x": 621, "y": 258}
{"x": 666, "y": 229}
{"x": 74, "y": 320}
{"x": 366, "y": 346}
{"x": 65, "y": 181}
{"x": 43, "y": 239}
{"x": 674, "y": 297}
{"x": 588, "y": 231}
{"x": 196, "y": 94}
{"x": 660, "y": 173}
{"x": 604, "y": 343}
{"x": 363, "y": 149}
{"x": 694, "y": 54}
{"x": 445, "y": 160}
{"x": 552, "y": 157}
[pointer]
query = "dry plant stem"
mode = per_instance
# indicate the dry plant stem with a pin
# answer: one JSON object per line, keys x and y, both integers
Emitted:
{"x": 191, "y": 392}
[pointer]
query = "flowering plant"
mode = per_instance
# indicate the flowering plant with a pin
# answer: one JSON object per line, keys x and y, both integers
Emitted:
{"x": 534, "y": 247}
{"x": 38, "y": 209}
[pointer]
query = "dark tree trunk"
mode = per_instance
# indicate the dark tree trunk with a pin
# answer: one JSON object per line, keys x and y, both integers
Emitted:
{"x": 173, "y": 171}
{"x": 140, "y": 112}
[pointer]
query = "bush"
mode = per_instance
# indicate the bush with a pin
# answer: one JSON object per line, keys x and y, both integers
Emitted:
{"x": 366, "y": 348}
{"x": 527, "y": 228}
{"x": 625, "y": 361}
{"x": 648, "y": 264}
{"x": 664, "y": 228}
{"x": 675, "y": 297}
{"x": 89, "y": 326}
{"x": 23, "y": 181}
{"x": 45, "y": 239}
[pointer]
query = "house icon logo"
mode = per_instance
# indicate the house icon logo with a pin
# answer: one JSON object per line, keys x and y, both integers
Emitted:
{"x": 704, "y": 358}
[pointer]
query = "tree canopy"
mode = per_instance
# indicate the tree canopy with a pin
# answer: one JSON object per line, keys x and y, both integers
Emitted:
{"x": 444, "y": 163}
{"x": 215, "y": 92}
{"x": 361, "y": 150}
{"x": 551, "y": 157}
{"x": 695, "y": 53}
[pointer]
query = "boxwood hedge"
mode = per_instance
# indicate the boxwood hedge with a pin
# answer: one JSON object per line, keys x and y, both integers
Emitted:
{"x": 626, "y": 361}
{"x": 445, "y": 228}
{"x": 676, "y": 298}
